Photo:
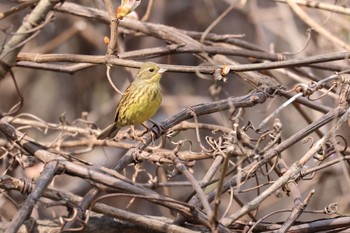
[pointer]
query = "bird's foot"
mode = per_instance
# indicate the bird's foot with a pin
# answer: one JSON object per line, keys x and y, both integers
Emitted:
{"x": 159, "y": 127}
{"x": 154, "y": 134}
{"x": 137, "y": 137}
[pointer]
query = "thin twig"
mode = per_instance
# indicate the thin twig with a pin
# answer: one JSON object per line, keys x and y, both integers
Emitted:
{"x": 315, "y": 26}
{"x": 321, "y": 5}
{"x": 43, "y": 181}
{"x": 294, "y": 171}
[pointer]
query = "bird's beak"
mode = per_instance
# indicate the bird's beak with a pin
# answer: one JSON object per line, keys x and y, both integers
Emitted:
{"x": 161, "y": 70}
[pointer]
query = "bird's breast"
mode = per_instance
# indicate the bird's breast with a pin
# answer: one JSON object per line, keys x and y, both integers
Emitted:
{"x": 142, "y": 106}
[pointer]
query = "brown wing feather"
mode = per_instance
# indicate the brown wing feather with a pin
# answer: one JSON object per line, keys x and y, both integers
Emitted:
{"x": 123, "y": 100}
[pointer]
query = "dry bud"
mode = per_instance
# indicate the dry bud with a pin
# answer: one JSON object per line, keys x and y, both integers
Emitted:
{"x": 106, "y": 40}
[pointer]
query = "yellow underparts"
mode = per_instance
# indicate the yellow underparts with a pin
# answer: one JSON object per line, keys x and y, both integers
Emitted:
{"x": 144, "y": 106}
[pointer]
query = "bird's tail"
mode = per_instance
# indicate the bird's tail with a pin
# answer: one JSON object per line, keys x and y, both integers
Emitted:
{"x": 109, "y": 132}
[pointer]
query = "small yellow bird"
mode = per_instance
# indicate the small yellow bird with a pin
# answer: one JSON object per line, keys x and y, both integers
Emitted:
{"x": 140, "y": 100}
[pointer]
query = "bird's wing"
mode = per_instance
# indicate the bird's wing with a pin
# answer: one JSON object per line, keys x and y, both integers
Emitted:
{"x": 122, "y": 101}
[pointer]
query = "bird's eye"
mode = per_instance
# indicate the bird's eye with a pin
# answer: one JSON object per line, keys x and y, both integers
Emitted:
{"x": 151, "y": 70}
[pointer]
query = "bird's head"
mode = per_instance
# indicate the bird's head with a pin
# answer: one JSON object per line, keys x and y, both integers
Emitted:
{"x": 150, "y": 72}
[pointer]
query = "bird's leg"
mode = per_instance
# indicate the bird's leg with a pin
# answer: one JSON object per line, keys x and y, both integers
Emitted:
{"x": 149, "y": 130}
{"x": 153, "y": 133}
{"x": 133, "y": 131}
{"x": 135, "y": 136}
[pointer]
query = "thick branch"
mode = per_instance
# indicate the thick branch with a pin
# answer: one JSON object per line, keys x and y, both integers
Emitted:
{"x": 16, "y": 43}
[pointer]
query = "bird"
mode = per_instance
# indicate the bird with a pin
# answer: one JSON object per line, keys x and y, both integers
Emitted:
{"x": 139, "y": 102}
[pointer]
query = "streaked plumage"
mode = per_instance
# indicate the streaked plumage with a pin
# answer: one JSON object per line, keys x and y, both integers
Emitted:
{"x": 140, "y": 100}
